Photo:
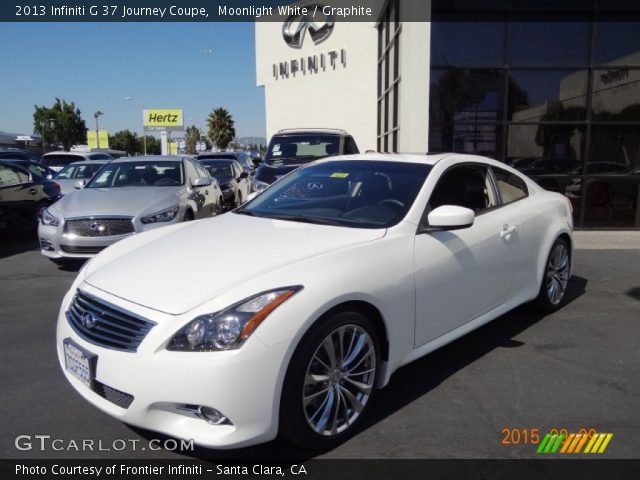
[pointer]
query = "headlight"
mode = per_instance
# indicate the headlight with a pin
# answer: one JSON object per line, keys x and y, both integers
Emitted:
{"x": 48, "y": 219}
{"x": 163, "y": 216}
{"x": 229, "y": 328}
{"x": 258, "y": 186}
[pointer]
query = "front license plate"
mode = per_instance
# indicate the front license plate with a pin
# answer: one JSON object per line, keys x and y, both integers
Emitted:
{"x": 79, "y": 362}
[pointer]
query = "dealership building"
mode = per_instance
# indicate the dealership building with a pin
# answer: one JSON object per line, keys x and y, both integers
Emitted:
{"x": 555, "y": 94}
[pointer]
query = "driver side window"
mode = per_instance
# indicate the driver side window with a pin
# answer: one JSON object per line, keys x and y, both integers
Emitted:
{"x": 466, "y": 186}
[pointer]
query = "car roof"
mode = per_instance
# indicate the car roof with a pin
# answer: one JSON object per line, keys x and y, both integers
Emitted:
{"x": 75, "y": 154}
{"x": 218, "y": 160}
{"x": 217, "y": 154}
{"x": 150, "y": 158}
{"x": 425, "y": 159}
{"x": 90, "y": 162}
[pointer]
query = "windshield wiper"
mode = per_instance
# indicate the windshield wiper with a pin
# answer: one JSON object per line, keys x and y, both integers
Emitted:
{"x": 303, "y": 219}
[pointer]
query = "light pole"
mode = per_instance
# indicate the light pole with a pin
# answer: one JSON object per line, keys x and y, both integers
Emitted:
{"x": 144, "y": 134}
{"x": 96, "y": 115}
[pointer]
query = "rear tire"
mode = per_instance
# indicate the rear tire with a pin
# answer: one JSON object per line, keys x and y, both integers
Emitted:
{"x": 330, "y": 381}
{"x": 555, "y": 277}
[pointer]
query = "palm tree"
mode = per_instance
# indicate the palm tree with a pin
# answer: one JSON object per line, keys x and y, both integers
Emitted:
{"x": 221, "y": 128}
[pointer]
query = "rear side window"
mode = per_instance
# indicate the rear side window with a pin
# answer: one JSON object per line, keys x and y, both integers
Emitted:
{"x": 12, "y": 176}
{"x": 350, "y": 146}
{"x": 512, "y": 188}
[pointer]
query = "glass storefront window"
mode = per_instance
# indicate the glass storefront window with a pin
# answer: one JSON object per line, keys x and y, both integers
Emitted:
{"x": 545, "y": 148}
{"x": 616, "y": 145}
{"x": 616, "y": 95}
{"x": 463, "y": 95}
{"x": 543, "y": 43}
{"x": 617, "y": 43}
{"x": 471, "y": 42}
{"x": 559, "y": 100}
{"x": 480, "y": 139}
{"x": 547, "y": 95}
{"x": 612, "y": 201}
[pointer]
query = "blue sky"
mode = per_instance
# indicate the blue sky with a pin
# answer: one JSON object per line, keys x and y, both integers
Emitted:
{"x": 163, "y": 65}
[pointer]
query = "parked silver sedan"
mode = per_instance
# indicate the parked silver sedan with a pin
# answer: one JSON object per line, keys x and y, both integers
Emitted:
{"x": 127, "y": 196}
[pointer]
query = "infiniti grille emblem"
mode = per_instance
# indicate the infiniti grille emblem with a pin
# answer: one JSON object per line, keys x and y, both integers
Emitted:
{"x": 89, "y": 320}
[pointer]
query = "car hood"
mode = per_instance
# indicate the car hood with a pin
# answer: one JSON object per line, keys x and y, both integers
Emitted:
{"x": 189, "y": 266}
{"x": 116, "y": 201}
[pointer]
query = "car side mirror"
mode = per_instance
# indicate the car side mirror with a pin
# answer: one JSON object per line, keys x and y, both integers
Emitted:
{"x": 201, "y": 182}
{"x": 450, "y": 217}
{"x": 244, "y": 174}
{"x": 80, "y": 184}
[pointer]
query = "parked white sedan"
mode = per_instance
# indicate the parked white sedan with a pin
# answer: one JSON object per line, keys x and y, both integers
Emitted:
{"x": 331, "y": 279}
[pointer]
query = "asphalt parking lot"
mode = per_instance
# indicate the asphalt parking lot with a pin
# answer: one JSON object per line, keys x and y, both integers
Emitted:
{"x": 576, "y": 368}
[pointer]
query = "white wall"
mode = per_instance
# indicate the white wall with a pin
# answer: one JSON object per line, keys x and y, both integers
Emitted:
{"x": 415, "y": 50}
{"x": 344, "y": 97}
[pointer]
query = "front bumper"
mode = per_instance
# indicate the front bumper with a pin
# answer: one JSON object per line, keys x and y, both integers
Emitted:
{"x": 56, "y": 244}
{"x": 241, "y": 384}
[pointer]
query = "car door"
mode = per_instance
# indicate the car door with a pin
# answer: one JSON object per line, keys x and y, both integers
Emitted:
{"x": 462, "y": 274}
{"x": 206, "y": 195}
{"x": 518, "y": 210}
{"x": 18, "y": 195}
{"x": 242, "y": 182}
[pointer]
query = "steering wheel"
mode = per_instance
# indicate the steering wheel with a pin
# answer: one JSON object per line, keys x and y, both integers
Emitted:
{"x": 391, "y": 201}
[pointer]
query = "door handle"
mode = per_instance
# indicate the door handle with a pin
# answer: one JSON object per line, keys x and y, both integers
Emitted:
{"x": 33, "y": 191}
{"x": 507, "y": 230}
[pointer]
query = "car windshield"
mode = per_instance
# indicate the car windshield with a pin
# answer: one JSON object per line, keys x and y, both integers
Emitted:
{"x": 355, "y": 193}
{"x": 218, "y": 169}
{"x": 60, "y": 159}
{"x": 79, "y": 171}
{"x": 139, "y": 174}
{"x": 299, "y": 149}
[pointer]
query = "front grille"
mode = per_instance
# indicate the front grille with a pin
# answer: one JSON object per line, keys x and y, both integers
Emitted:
{"x": 106, "y": 325}
{"x": 99, "y": 227}
{"x": 121, "y": 399}
{"x": 81, "y": 250}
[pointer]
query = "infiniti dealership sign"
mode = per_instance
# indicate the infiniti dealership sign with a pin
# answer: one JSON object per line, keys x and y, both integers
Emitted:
{"x": 295, "y": 27}
{"x": 295, "y": 30}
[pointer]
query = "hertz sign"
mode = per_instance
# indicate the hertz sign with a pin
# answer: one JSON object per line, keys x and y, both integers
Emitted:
{"x": 163, "y": 119}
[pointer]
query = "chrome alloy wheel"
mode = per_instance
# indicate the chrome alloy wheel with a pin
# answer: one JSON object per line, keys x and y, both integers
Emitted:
{"x": 339, "y": 380}
{"x": 557, "y": 273}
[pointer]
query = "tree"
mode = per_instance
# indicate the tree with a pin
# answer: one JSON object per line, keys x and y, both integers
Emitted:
{"x": 153, "y": 145}
{"x": 191, "y": 139}
{"x": 125, "y": 140}
{"x": 60, "y": 125}
{"x": 221, "y": 128}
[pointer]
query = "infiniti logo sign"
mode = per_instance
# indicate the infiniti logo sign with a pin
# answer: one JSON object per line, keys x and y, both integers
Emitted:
{"x": 295, "y": 27}
{"x": 89, "y": 320}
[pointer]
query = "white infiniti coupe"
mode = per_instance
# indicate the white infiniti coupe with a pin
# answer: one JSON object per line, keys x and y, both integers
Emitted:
{"x": 323, "y": 286}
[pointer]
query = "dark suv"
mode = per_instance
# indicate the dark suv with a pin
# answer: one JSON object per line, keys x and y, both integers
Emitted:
{"x": 291, "y": 148}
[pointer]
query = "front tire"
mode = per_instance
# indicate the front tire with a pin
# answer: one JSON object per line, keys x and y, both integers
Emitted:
{"x": 330, "y": 381}
{"x": 555, "y": 277}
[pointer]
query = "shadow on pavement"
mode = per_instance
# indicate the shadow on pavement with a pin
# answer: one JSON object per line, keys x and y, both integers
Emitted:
{"x": 407, "y": 384}
{"x": 14, "y": 242}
